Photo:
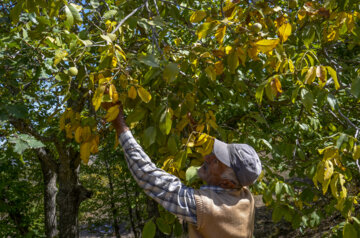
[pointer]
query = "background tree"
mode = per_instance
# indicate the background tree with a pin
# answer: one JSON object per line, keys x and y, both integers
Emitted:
{"x": 282, "y": 76}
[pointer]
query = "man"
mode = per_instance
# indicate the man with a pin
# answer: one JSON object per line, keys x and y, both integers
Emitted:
{"x": 224, "y": 208}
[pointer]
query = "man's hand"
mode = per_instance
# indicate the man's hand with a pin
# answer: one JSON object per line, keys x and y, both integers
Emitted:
{"x": 119, "y": 122}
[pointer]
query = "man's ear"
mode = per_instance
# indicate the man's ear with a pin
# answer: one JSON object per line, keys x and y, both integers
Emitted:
{"x": 226, "y": 183}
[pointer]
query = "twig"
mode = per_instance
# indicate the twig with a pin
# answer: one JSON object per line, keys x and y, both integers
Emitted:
{"x": 348, "y": 120}
{"x": 335, "y": 116}
{"x": 157, "y": 8}
{"x": 173, "y": 3}
{"x": 125, "y": 18}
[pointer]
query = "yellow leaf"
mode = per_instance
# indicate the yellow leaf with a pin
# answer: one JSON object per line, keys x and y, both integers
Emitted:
{"x": 85, "y": 152}
{"x": 241, "y": 55}
{"x": 276, "y": 85}
{"x": 177, "y": 41}
{"x": 210, "y": 72}
{"x": 310, "y": 75}
{"x": 120, "y": 51}
{"x": 205, "y": 29}
{"x": 331, "y": 36}
{"x": 220, "y": 33}
{"x": 113, "y": 93}
{"x": 219, "y": 67}
{"x": 333, "y": 185}
{"x": 291, "y": 66}
{"x": 284, "y": 31}
{"x": 68, "y": 131}
{"x": 200, "y": 128}
{"x": 266, "y": 46}
{"x": 112, "y": 113}
{"x": 321, "y": 74}
{"x": 144, "y": 95}
{"x": 356, "y": 152}
{"x": 253, "y": 52}
{"x": 132, "y": 92}
{"x": 97, "y": 98}
{"x": 213, "y": 124}
{"x": 333, "y": 75}
{"x": 233, "y": 61}
{"x": 85, "y": 133}
{"x": 113, "y": 62}
{"x": 197, "y": 16}
{"x": 329, "y": 170}
{"x": 94, "y": 148}
{"x": 78, "y": 134}
{"x": 301, "y": 14}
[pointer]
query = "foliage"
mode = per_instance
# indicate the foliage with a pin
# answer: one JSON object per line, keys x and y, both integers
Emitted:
{"x": 282, "y": 76}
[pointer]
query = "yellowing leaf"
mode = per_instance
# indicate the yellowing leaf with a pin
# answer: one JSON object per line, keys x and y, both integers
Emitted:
{"x": 86, "y": 133}
{"x": 253, "y": 52}
{"x": 112, "y": 113}
{"x": 276, "y": 85}
{"x": 132, "y": 92}
{"x": 114, "y": 62}
{"x": 284, "y": 31}
{"x": 329, "y": 170}
{"x": 68, "y": 131}
{"x": 120, "y": 51}
{"x": 291, "y": 66}
{"x": 310, "y": 75}
{"x": 197, "y": 16}
{"x": 219, "y": 67}
{"x": 333, "y": 75}
{"x": 97, "y": 98}
{"x": 220, "y": 33}
{"x": 210, "y": 72}
{"x": 241, "y": 55}
{"x": 333, "y": 185}
{"x": 59, "y": 55}
{"x": 144, "y": 95}
{"x": 233, "y": 61}
{"x": 266, "y": 46}
{"x": 94, "y": 148}
{"x": 205, "y": 29}
{"x": 85, "y": 152}
{"x": 356, "y": 152}
{"x": 301, "y": 14}
{"x": 78, "y": 134}
{"x": 113, "y": 93}
{"x": 322, "y": 75}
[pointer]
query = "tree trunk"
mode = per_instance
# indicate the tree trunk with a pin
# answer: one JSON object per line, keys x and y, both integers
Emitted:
{"x": 71, "y": 194}
{"x": 50, "y": 191}
{"x": 112, "y": 201}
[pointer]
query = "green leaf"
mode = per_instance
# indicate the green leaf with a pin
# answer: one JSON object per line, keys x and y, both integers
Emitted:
{"x": 349, "y": 231}
{"x": 149, "y": 136}
{"x": 109, "y": 14}
{"x": 233, "y": 61}
{"x": 332, "y": 102}
{"x": 148, "y": 60}
{"x": 191, "y": 174}
{"x": 69, "y": 16}
{"x": 136, "y": 115}
{"x": 177, "y": 228}
{"x": 307, "y": 99}
{"x": 75, "y": 12}
{"x": 355, "y": 87}
{"x": 277, "y": 213}
{"x": 23, "y": 142}
{"x": 165, "y": 122}
{"x": 343, "y": 137}
{"x": 260, "y": 91}
{"x": 172, "y": 145}
{"x": 163, "y": 226}
{"x": 170, "y": 72}
{"x": 278, "y": 188}
{"x": 149, "y": 229}
{"x": 314, "y": 219}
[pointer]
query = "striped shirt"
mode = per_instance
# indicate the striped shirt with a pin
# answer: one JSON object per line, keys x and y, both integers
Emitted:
{"x": 164, "y": 188}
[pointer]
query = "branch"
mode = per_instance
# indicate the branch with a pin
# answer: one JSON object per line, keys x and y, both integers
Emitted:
{"x": 44, "y": 155}
{"x": 348, "y": 120}
{"x": 125, "y": 18}
{"x": 24, "y": 127}
{"x": 174, "y": 3}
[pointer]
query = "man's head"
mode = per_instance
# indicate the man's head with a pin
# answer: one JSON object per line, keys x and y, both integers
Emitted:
{"x": 230, "y": 165}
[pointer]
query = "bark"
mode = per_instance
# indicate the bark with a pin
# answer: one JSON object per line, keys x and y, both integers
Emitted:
{"x": 112, "y": 201}
{"x": 49, "y": 169}
{"x": 130, "y": 210}
{"x": 50, "y": 191}
{"x": 71, "y": 193}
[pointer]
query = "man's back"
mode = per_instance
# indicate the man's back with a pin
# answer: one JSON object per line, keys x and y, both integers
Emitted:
{"x": 223, "y": 214}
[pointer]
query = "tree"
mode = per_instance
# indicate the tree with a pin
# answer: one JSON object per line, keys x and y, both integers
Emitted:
{"x": 282, "y": 76}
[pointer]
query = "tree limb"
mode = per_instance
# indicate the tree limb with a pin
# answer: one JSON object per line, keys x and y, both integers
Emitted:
{"x": 125, "y": 18}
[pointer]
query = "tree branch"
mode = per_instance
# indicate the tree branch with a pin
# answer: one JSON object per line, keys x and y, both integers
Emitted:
{"x": 45, "y": 156}
{"x": 25, "y": 128}
{"x": 125, "y": 18}
{"x": 174, "y": 3}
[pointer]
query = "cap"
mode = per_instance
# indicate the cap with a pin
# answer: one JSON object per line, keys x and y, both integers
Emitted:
{"x": 242, "y": 158}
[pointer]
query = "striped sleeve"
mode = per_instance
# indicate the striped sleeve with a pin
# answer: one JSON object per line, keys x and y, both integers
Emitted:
{"x": 164, "y": 188}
